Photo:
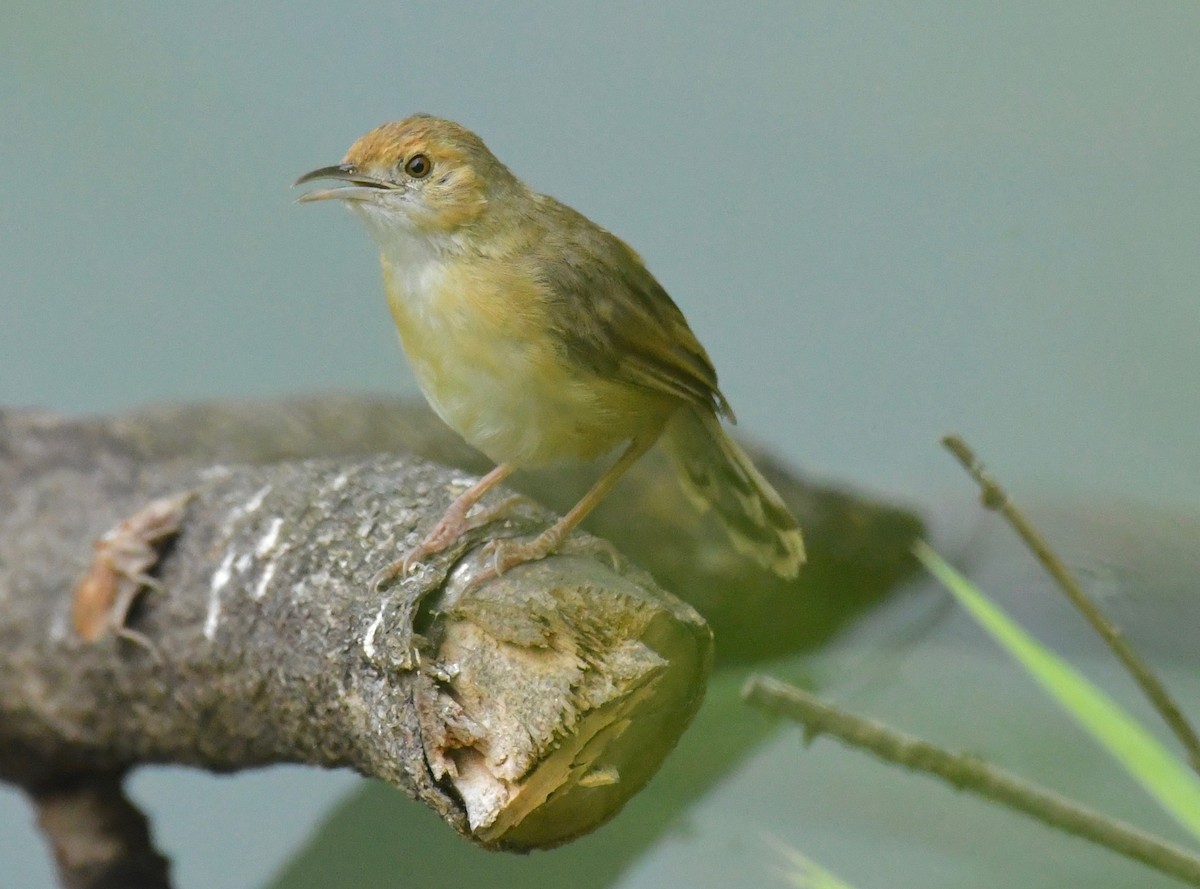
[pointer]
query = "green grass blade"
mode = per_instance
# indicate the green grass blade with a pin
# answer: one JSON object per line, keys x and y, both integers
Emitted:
{"x": 1163, "y": 776}
{"x": 802, "y": 872}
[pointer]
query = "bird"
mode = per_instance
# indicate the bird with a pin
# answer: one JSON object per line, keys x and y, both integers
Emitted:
{"x": 541, "y": 337}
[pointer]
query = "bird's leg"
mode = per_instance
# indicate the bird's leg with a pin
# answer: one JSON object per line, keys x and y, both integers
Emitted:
{"x": 455, "y": 522}
{"x": 452, "y": 525}
{"x": 507, "y": 554}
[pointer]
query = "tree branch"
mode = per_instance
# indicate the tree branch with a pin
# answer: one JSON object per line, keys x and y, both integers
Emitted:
{"x": 994, "y": 497}
{"x": 100, "y": 839}
{"x": 859, "y": 548}
{"x": 544, "y": 700}
{"x": 970, "y": 773}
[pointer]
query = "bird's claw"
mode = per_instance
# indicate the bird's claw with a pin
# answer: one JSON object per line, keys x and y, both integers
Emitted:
{"x": 383, "y": 578}
{"x": 409, "y": 562}
{"x": 501, "y": 554}
{"x": 492, "y": 554}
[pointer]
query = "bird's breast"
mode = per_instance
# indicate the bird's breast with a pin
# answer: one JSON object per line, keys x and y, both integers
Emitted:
{"x": 479, "y": 341}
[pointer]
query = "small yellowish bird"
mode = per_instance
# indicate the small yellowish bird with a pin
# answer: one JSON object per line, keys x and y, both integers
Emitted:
{"x": 539, "y": 336}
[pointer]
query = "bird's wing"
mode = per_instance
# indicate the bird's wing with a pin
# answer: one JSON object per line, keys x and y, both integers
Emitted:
{"x": 612, "y": 316}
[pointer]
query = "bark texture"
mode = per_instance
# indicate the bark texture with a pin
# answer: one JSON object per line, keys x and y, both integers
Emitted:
{"x": 859, "y": 547}
{"x": 543, "y": 700}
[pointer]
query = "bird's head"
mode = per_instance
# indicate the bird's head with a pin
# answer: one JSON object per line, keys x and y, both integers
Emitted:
{"x": 423, "y": 174}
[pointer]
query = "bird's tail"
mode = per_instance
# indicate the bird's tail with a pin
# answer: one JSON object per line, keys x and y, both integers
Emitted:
{"x": 717, "y": 474}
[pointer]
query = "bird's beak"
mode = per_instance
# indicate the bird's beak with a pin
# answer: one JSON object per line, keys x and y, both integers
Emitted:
{"x": 358, "y": 188}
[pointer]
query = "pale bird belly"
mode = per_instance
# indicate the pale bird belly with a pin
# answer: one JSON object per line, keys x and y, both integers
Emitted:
{"x": 514, "y": 398}
{"x": 508, "y": 405}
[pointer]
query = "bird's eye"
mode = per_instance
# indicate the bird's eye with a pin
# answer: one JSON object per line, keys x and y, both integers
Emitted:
{"x": 418, "y": 166}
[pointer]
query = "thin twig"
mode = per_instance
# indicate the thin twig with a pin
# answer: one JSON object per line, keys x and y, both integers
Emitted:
{"x": 994, "y": 497}
{"x": 970, "y": 773}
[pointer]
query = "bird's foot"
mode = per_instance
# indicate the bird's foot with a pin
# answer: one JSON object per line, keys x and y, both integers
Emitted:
{"x": 501, "y": 555}
{"x": 501, "y": 511}
{"x": 449, "y": 529}
{"x": 402, "y": 567}
{"x": 594, "y": 547}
